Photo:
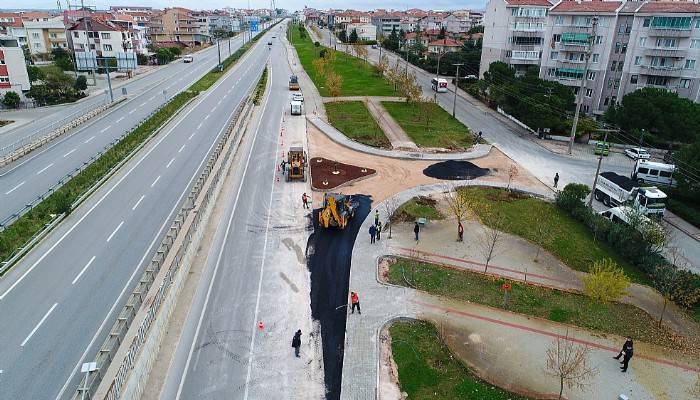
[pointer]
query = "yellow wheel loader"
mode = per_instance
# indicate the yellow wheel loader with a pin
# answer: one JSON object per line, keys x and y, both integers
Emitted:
{"x": 337, "y": 210}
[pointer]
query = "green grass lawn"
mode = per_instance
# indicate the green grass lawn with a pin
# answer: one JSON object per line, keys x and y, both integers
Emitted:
{"x": 354, "y": 120}
{"x": 572, "y": 242}
{"x": 359, "y": 77}
{"x": 427, "y": 369}
{"x": 555, "y": 305}
{"x": 418, "y": 207}
{"x": 440, "y": 130}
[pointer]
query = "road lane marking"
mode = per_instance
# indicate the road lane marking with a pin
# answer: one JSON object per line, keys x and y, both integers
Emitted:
{"x": 138, "y": 202}
{"x": 108, "y": 126}
{"x": 83, "y": 270}
{"x": 152, "y": 97}
{"x": 218, "y": 103}
{"x": 69, "y": 153}
{"x": 170, "y": 162}
{"x": 181, "y": 148}
{"x": 115, "y": 231}
{"x": 15, "y": 188}
{"x": 206, "y": 117}
{"x": 190, "y": 138}
{"x": 89, "y": 140}
{"x": 156, "y": 181}
{"x": 200, "y": 125}
{"x": 132, "y": 111}
{"x": 45, "y": 168}
{"x": 119, "y": 120}
{"x": 213, "y": 109}
{"x": 38, "y": 325}
{"x": 142, "y": 104}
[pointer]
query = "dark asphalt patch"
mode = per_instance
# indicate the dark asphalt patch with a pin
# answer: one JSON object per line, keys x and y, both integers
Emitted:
{"x": 328, "y": 254}
{"x": 455, "y": 170}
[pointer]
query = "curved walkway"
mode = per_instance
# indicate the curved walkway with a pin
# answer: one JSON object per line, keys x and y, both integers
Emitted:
{"x": 489, "y": 339}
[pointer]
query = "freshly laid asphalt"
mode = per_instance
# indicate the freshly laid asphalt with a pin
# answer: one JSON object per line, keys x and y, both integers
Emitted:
{"x": 57, "y": 304}
{"x": 455, "y": 170}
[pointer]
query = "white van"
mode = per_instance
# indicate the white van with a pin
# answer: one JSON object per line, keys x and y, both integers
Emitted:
{"x": 439, "y": 85}
{"x": 654, "y": 172}
{"x": 295, "y": 107}
{"x": 625, "y": 215}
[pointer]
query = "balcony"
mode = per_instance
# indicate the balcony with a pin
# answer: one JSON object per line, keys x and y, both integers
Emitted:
{"x": 665, "y": 52}
{"x": 570, "y": 62}
{"x": 670, "y": 32}
{"x": 527, "y": 28}
{"x": 661, "y": 70}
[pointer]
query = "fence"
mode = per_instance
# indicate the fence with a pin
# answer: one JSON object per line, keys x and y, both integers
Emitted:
{"x": 175, "y": 251}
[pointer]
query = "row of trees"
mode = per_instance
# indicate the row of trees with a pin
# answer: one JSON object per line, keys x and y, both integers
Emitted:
{"x": 323, "y": 66}
{"x": 51, "y": 85}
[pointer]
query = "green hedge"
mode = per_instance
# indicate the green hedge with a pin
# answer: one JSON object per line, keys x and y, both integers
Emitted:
{"x": 260, "y": 88}
{"x": 22, "y": 230}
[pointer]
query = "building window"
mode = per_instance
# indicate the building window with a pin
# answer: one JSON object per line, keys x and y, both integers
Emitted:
{"x": 589, "y": 92}
{"x": 619, "y": 66}
{"x": 559, "y": 20}
{"x": 554, "y": 55}
{"x": 107, "y": 47}
{"x": 617, "y": 83}
{"x": 105, "y": 35}
{"x": 4, "y": 79}
{"x": 610, "y": 82}
{"x": 634, "y": 79}
{"x": 638, "y": 60}
{"x": 551, "y": 72}
{"x": 75, "y": 34}
{"x": 617, "y": 47}
{"x": 556, "y": 37}
{"x": 621, "y": 29}
{"x": 613, "y": 100}
{"x": 596, "y": 58}
{"x": 35, "y": 35}
{"x": 613, "y": 67}
{"x": 689, "y": 64}
{"x": 607, "y": 100}
{"x": 37, "y": 44}
{"x": 53, "y": 35}
{"x": 2, "y": 61}
{"x": 598, "y": 39}
{"x": 671, "y": 22}
{"x": 695, "y": 43}
{"x": 684, "y": 84}
{"x": 642, "y": 41}
{"x": 591, "y": 75}
{"x": 647, "y": 22}
{"x": 624, "y": 48}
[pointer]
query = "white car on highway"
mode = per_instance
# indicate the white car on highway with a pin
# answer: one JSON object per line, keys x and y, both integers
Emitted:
{"x": 297, "y": 97}
{"x": 187, "y": 59}
{"x": 637, "y": 154}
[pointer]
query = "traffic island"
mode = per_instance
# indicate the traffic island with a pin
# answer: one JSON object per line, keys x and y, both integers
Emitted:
{"x": 329, "y": 174}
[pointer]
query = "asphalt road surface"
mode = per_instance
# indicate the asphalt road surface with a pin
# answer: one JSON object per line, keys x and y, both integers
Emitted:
{"x": 58, "y": 303}
{"x": 28, "y": 178}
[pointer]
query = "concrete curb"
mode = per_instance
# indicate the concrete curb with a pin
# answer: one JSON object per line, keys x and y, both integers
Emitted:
{"x": 480, "y": 150}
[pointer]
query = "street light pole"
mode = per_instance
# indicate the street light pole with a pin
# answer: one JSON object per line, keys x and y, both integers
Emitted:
{"x": 437, "y": 71}
{"x": 218, "y": 47}
{"x": 454, "y": 101}
{"x": 579, "y": 97}
{"x": 597, "y": 171}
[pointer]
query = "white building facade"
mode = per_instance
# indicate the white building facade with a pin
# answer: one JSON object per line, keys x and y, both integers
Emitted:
{"x": 13, "y": 69}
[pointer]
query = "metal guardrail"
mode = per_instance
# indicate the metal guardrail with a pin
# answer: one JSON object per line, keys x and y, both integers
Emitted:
{"x": 115, "y": 338}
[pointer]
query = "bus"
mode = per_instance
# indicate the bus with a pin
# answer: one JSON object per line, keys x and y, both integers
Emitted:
{"x": 439, "y": 85}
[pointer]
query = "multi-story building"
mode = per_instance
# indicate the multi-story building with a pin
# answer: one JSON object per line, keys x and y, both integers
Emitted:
{"x": 432, "y": 21}
{"x": 444, "y": 46}
{"x": 13, "y": 69}
{"x": 386, "y": 21}
{"x": 104, "y": 37}
{"x": 457, "y": 22}
{"x": 175, "y": 26}
{"x": 514, "y": 33}
{"x": 44, "y": 36}
{"x": 364, "y": 31}
{"x": 343, "y": 19}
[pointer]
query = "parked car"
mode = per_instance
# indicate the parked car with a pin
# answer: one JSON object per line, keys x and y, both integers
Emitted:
{"x": 187, "y": 59}
{"x": 637, "y": 154}
{"x": 297, "y": 97}
{"x": 374, "y": 46}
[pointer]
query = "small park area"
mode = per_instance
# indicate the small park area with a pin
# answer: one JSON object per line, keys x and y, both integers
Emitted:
{"x": 355, "y": 121}
{"x": 429, "y": 125}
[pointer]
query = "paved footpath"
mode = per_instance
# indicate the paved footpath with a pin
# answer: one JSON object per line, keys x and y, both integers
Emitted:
{"x": 490, "y": 340}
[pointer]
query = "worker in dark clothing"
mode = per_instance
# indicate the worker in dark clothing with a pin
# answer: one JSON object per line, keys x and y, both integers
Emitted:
{"x": 626, "y": 353}
{"x": 355, "y": 300}
{"x": 477, "y": 139}
{"x": 556, "y": 179}
{"x": 305, "y": 200}
{"x": 460, "y": 231}
{"x": 372, "y": 233}
{"x": 296, "y": 342}
{"x": 376, "y": 217}
{"x": 416, "y": 229}
{"x": 379, "y": 230}
{"x": 283, "y": 164}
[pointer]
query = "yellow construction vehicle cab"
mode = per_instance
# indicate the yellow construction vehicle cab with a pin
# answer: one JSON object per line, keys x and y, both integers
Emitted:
{"x": 337, "y": 210}
{"x": 296, "y": 164}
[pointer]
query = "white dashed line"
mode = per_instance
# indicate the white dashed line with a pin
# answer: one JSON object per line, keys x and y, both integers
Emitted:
{"x": 15, "y": 188}
{"x": 213, "y": 109}
{"x": 38, "y": 325}
{"x": 137, "y": 203}
{"x": 89, "y": 140}
{"x": 219, "y": 103}
{"x": 132, "y": 111}
{"x": 206, "y": 117}
{"x": 152, "y": 97}
{"x": 142, "y": 104}
{"x": 181, "y": 148}
{"x": 200, "y": 125}
{"x": 45, "y": 168}
{"x": 69, "y": 153}
{"x": 156, "y": 181}
{"x": 109, "y": 126}
{"x": 83, "y": 270}
{"x": 115, "y": 231}
{"x": 120, "y": 120}
{"x": 171, "y": 161}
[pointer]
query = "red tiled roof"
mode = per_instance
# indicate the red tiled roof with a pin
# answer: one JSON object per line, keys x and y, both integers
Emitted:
{"x": 446, "y": 43}
{"x": 587, "y": 6}
{"x": 670, "y": 7}
{"x": 95, "y": 25}
{"x": 544, "y": 3}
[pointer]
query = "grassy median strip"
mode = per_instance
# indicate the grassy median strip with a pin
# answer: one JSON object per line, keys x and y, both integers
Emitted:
{"x": 571, "y": 241}
{"x": 429, "y": 125}
{"x": 359, "y": 78}
{"x": 29, "y": 224}
{"x": 555, "y": 305}
{"x": 354, "y": 120}
{"x": 427, "y": 369}
{"x": 260, "y": 88}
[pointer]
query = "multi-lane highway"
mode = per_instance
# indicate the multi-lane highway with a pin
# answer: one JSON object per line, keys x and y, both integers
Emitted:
{"x": 58, "y": 303}
{"x": 23, "y": 181}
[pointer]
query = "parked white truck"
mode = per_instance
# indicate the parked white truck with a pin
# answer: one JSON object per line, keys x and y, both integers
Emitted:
{"x": 614, "y": 190}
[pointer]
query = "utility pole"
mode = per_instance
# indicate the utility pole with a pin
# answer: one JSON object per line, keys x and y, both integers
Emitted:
{"x": 437, "y": 71}
{"x": 597, "y": 171}
{"x": 579, "y": 97}
{"x": 454, "y": 101}
{"x": 218, "y": 47}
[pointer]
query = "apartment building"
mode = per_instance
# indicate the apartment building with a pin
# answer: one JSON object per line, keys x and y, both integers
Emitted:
{"x": 514, "y": 33}
{"x": 13, "y": 69}
{"x": 342, "y": 19}
{"x": 365, "y": 32}
{"x": 175, "y": 26}
{"x": 386, "y": 21}
{"x": 104, "y": 37}
{"x": 41, "y": 36}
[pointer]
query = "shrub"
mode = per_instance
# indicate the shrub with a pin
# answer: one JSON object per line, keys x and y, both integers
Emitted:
{"x": 11, "y": 100}
{"x": 605, "y": 281}
{"x": 80, "y": 83}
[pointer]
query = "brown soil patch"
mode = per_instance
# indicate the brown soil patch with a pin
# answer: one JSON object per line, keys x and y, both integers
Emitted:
{"x": 329, "y": 174}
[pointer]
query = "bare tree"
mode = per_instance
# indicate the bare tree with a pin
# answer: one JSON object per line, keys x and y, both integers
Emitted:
{"x": 569, "y": 362}
{"x": 490, "y": 237}
{"x": 391, "y": 205}
{"x": 334, "y": 83}
{"x": 459, "y": 203}
{"x": 543, "y": 230}
{"x": 383, "y": 65}
{"x": 427, "y": 109}
{"x": 512, "y": 174}
{"x": 361, "y": 51}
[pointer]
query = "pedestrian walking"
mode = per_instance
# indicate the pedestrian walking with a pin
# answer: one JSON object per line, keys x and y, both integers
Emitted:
{"x": 416, "y": 229}
{"x": 379, "y": 230}
{"x": 296, "y": 342}
{"x": 376, "y": 217}
{"x": 460, "y": 231}
{"x": 626, "y": 353}
{"x": 556, "y": 179}
{"x": 355, "y": 301}
{"x": 477, "y": 139}
{"x": 372, "y": 233}
{"x": 283, "y": 165}
{"x": 305, "y": 200}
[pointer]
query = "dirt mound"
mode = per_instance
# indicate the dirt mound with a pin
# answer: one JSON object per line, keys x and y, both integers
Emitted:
{"x": 455, "y": 170}
{"x": 329, "y": 174}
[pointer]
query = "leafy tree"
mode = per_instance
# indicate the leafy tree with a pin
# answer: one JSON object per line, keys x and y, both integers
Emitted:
{"x": 62, "y": 59}
{"x": 80, "y": 83}
{"x": 57, "y": 87}
{"x": 11, "y": 100}
{"x": 164, "y": 55}
{"x": 585, "y": 126}
{"x": 353, "y": 36}
{"x": 688, "y": 164}
{"x": 392, "y": 42}
{"x": 605, "y": 281}
{"x": 476, "y": 29}
{"x": 35, "y": 73}
{"x": 334, "y": 83}
{"x": 175, "y": 51}
{"x": 680, "y": 286}
{"x": 342, "y": 36}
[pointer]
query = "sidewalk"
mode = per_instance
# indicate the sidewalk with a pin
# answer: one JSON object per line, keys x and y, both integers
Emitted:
{"x": 489, "y": 339}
